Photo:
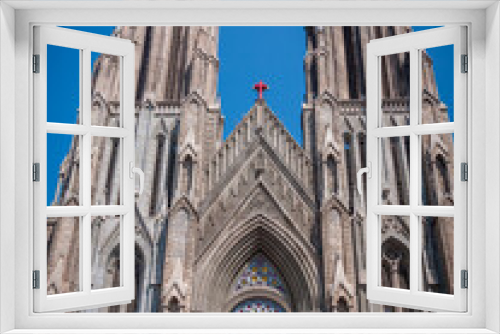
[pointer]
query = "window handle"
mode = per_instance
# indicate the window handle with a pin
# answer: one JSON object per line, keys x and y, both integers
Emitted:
{"x": 134, "y": 170}
{"x": 368, "y": 171}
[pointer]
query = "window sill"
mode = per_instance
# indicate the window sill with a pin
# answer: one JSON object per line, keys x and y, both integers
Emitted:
{"x": 248, "y": 331}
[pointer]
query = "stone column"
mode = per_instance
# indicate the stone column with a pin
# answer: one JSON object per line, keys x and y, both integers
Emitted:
{"x": 321, "y": 59}
{"x": 155, "y": 59}
{"x": 364, "y": 39}
{"x": 308, "y": 76}
{"x": 342, "y": 91}
{"x": 161, "y": 84}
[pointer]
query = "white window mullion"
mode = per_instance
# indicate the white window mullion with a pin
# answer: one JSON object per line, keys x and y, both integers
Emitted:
{"x": 422, "y": 129}
{"x": 86, "y": 79}
{"x": 110, "y": 132}
{"x": 373, "y": 120}
{"x": 67, "y": 129}
{"x": 78, "y": 129}
{"x": 86, "y": 147}
{"x": 433, "y": 211}
{"x": 420, "y": 283}
{"x": 40, "y": 156}
{"x": 414, "y": 169}
{"x": 80, "y": 211}
{"x": 419, "y": 210}
{"x": 436, "y": 128}
{"x": 395, "y": 131}
{"x": 86, "y": 254}
{"x": 127, "y": 194}
{"x": 108, "y": 210}
{"x": 460, "y": 156}
{"x": 85, "y": 183}
{"x": 82, "y": 130}
{"x": 67, "y": 211}
{"x": 392, "y": 210}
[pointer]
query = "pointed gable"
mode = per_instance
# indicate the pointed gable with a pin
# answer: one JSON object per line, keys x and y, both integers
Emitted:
{"x": 259, "y": 128}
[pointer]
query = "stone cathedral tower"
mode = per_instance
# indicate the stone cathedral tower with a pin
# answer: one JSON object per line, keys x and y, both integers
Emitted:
{"x": 334, "y": 130}
{"x": 255, "y": 221}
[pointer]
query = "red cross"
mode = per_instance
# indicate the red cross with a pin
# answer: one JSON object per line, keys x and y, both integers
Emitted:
{"x": 260, "y": 87}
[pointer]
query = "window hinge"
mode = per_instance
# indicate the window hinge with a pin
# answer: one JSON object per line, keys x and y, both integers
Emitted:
{"x": 464, "y": 172}
{"x": 465, "y": 64}
{"x": 36, "y": 279}
{"x": 36, "y": 63}
{"x": 36, "y": 172}
{"x": 464, "y": 279}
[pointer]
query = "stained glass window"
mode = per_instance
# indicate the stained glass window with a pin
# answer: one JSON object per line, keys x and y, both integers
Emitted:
{"x": 258, "y": 305}
{"x": 260, "y": 272}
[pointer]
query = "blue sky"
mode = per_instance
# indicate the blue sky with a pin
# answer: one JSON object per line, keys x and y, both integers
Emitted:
{"x": 271, "y": 54}
{"x": 247, "y": 55}
{"x": 443, "y": 69}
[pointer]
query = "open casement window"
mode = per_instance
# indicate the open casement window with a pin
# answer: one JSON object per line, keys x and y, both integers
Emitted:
{"x": 420, "y": 197}
{"x": 81, "y": 213}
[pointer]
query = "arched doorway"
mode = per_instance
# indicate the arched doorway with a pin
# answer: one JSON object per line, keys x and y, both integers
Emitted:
{"x": 223, "y": 263}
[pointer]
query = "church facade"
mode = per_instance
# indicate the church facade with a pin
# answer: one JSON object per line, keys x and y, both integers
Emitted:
{"x": 255, "y": 222}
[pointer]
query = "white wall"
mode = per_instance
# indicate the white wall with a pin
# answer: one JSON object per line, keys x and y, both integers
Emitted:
{"x": 7, "y": 124}
{"x": 492, "y": 147}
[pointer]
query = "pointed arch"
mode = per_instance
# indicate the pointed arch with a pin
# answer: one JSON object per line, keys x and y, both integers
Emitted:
{"x": 159, "y": 165}
{"x": 140, "y": 268}
{"x": 342, "y": 305}
{"x": 220, "y": 264}
{"x": 332, "y": 177}
{"x": 395, "y": 264}
{"x": 443, "y": 174}
{"x": 349, "y": 164}
{"x": 188, "y": 166}
{"x": 174, "y": 305}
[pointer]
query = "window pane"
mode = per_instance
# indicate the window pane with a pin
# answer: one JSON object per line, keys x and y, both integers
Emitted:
{"x": 395, "y": 171}
{"x": 106, "y": 253}
{"x": 106, "y": 171}
{"x": 395, "y": 89}
{"x": 63, "y": 255}
{"x": 437, "y": 169}
{"x": 63, "y": 84}
{"x": 437, "y": 106}
{"x": 437, "y": 254}
{"x": 395, "y": 251}
{"x": 63, "y": 182}
{"x": 105, "y": 90}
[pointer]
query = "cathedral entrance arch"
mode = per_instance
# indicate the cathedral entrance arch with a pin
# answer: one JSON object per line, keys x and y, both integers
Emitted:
{"x": 226, "y": 280}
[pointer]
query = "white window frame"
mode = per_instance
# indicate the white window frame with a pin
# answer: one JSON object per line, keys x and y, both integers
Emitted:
{"x": 414, "y": 43}
{"x": 483, "y": 101}
{"x": 85, "y": 43}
